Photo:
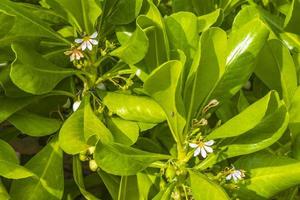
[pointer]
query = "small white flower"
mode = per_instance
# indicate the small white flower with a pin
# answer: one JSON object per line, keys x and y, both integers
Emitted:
{"x": 235, "y": 174}
{"x": 87, "y": 41}
{"x": 76, "y": 105}
{"x": 202, "y": 147}
{"x": 74, "y": 53}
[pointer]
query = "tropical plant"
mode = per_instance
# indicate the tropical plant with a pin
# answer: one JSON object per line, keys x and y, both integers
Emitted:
{"x": 149, "y": 99}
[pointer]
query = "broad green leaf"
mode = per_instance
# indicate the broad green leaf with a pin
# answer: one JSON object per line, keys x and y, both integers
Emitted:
{"x": 274, "y": 23}
{"x": 80, "y": 13}
{"x": 275, "y": 67}
{"x": 210, "y": 19}
{"x": 247, "y": 119}
{"x": 9, "y": 106}
{"x": 243, "y": 47}
{"x": 166, "y": 193}
{"x": 147, "y": 183}
{"x": 292, "y": 20}
{"x": 9, "y": 163}
{"x": 158, "y": 51}
{"x": 212, "y": 190}
{"x": 10, "y": 89}
{"x": 78, "y": 178}
{"x": 48, "y": 167}
{"x": 267, "y": 175}
{"x": 3, "y": 193}
{"x": 124, "y": 132}
{"x": 136, "y": 47}
{"x": 125, "y": 11}
{"x": 294, "y": 124}
{"x": 135, "y": 108}
{"x": 33, "y": 73}
{"x": 163, "y": 86}
{"x": 121, "y": 160}
{"x": 128, "y": 188}
{"x": 111, "y": 182}
{"x": 260, "y": 137}
{"x": 182, "y": 31}
{"x": 207, "y": 71}
{"x": 81, "y": 130}
{"x": 33, "y": 124}
{"x": 27, "y": 24}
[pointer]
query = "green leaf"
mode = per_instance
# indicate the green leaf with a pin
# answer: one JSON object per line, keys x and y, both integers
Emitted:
{"x": 292, "y": 19}
{"x": 121, "y": 160}
{"x": 158, "y": 51}
{"x": 135, "y": 48}
{"x": 274, "y": 23}
{"x": 248, "y": 119}
{"x": 269, "y": 130}
{"x": 80, "y": 13}
{"x": 124, "y": 132}
{"x": 47, "y": 163}
{"x": 212, "y": 190}
{"x": 207, "y": 71}
{"x": 33, "y": 124}
{"x": 182, "y": 31}
{"x": 27, "y": 24}
{"x": 135, "y": 108}
{"x": 210, "y": 19}
{"x": 163, "y": 86}
{"x": 275, "y": 67}
{"x": 9, "y": 106}
{"x": 82, "y": 129}
{"x": 125, "y": 11}
{"x": 3, "y": 193}
{"x": 128, "y": 188}
{"x": 166, "y": 193}
{"x": 243, "y": 47}
{"x": 111, "y": 182}
{"x": 267, "y": 175}
{"x": 33, "y": 73}
{"x": 78, "y": 178}
{"x": 9, "y": 163}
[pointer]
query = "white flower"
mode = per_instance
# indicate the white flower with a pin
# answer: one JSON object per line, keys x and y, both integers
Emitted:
{"x": 76, "y": 105}
{"x": 235, "y": 175}
{"x": 202, "y": 147}
{"x": 74, "y": 53}
{"x": 87, "y": 41}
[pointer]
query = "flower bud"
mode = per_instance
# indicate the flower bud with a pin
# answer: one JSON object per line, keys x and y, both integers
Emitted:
{"x": 93, "y": 165}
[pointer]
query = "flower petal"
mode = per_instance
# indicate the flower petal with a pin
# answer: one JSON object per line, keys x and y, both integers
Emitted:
{"x": 83, "y": 46}
{"x": 89, "y": 45}
{"x": 193, "y": 145}
{"x": 72, "y": 57}
{"x": 209, "y": 143}
{"x": 228, "y": 177}
{"x": 234, "y": 178}
{"x": 197, "y": 152}
{"x": 94, "y": 42}
{"x": 208, "y": 149}
{"x": 203, "y": 152}
{"x": 94, "y": 35}
{"x": 76, "y": 105}
{"x": 78, "y": 40}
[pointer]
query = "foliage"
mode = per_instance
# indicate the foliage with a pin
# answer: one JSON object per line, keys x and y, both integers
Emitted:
{"x": 149, "y": 99}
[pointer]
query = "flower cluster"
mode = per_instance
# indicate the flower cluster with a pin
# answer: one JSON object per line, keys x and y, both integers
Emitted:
{"x": 87, "y": 42}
